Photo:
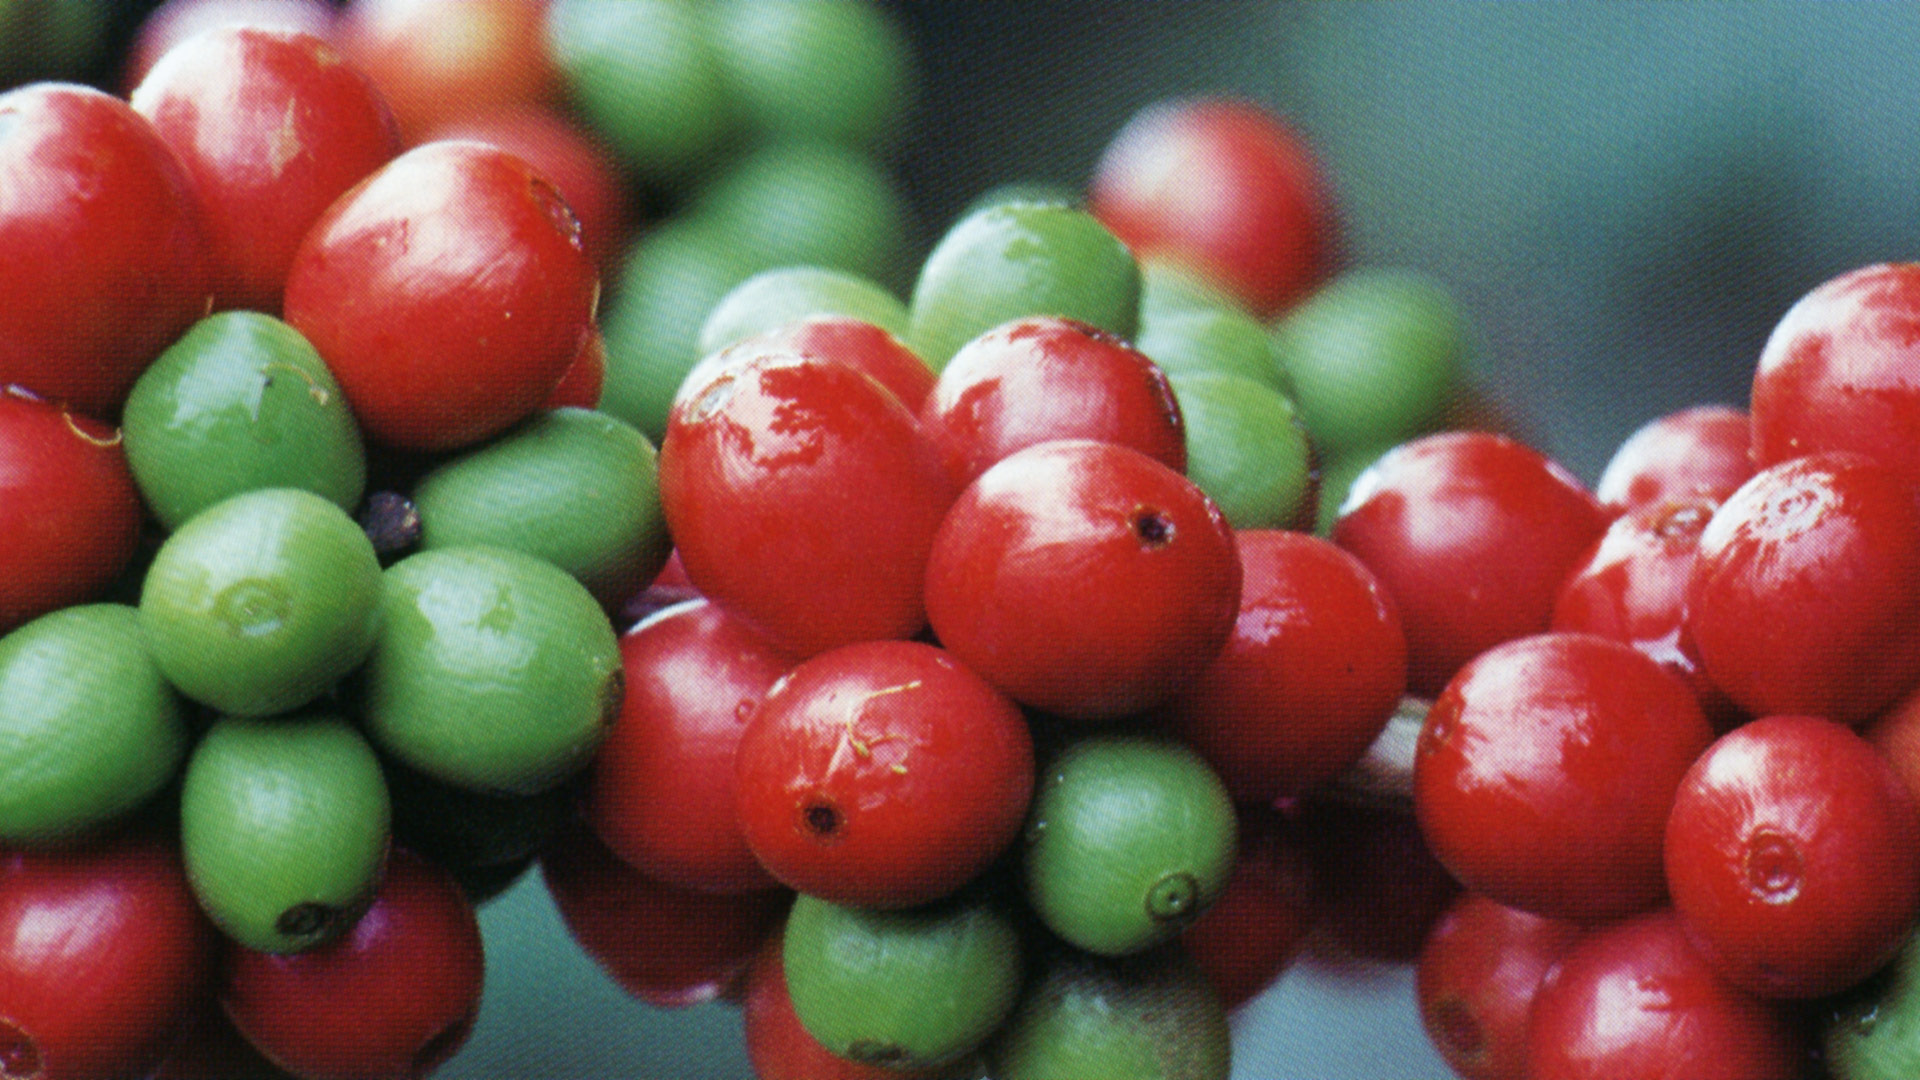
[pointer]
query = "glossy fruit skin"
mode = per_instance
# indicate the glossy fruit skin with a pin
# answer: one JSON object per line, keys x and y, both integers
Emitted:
{"x": 1041, "y": 378}
{"x": 1129, "y": 841}
{"x": 436, "y": 62}
{"x": 1476, "y": 979}
{"x": 1225, "y": 187}
{"x": 1473, "y": 534}
{"x": 882, "y": 774}
{"x": 393, "y": 999}
{"x": 1841, "y": 372}
{"x": 575, "y": 487}
{"x": 574, "y": 158}
{"x": 102, "y": 219}
{"x": 1632, "y": 587}
{"x": 775, "y": 298}
{"x": 585, "y": 378}
{"x": 1793, "y": 856}
{"x": 1310, "y": 676}
{"x": 448, "y": 292}
{"x": 70, "y": 514}
{"x": 1633, "y": 1001}
{"x": 241, "y": 402}
{"x": 1701, "y": 451}
{"x": 1544, "y": 773}
{"x": 907, "y": 989}
{"x": 262, "y": 602}
{"x": 493, "y": 670}
{"x": 1255, "y": 929}
{"x": 1084, "y": 579}
{"x": 662, "y": 790}
{"x": 802, "y": 494}
{"x": 863, "y": 346}
{"x": 271, "y": 126}
{"x": 174, "y": 21}
{"x": 107, "y": 998}
{"x": 835, "y": 72}
{"x": 668, "y": 946}
{"x": 1834, "y": 539}
{"x": 90, "y": 727}
{"x": 284, "y": 825}
{"x": 1146, "y": 1017}
{"x": 779, "y": 1047}
{"x": 1015, "y": 259}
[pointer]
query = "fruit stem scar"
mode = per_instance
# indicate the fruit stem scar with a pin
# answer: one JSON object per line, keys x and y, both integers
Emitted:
{"x": 307, "y": 920}
{"x": 1174, "y": 897}
{"x": 318, "y": 392}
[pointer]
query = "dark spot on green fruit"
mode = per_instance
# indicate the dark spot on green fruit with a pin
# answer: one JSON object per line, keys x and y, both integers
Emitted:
{"x": 1173, "y": 897}
{"x": 307, "y": 920}
{"x": 1154, "y": 528}
{"x": 877, "y": 1053}
{"x": 19, "y": 1056}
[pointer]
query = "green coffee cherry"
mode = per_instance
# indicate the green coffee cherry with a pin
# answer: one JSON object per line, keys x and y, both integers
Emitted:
{"x": 242, "y": 402}
{"x": 1016, "y": 259}
{"x": 1129, "y": 840}
{"x": 1246, "y": 448}
{"x": 494, "y": 670}
{"x": 1873, "y": 1031}
{"x": 812, "y": 204}
{"x": 1169, "y": 288}
{"x": 652, "y": 324}
{"x": 772, "y": 299}
{"x": 259, "y": 604}
{"x": 1147, "y": 1017}
{"x": 836, "y": 71}
{"x": 284, "y": 829}
{"x": 1223, "y": 341}
{"x": 905, "y": 989}
{"x": 645, "y": 74}
{"x": 575, "y": 487}
{"x": 89, "y": 728}
{"x": 1374, "y": 357}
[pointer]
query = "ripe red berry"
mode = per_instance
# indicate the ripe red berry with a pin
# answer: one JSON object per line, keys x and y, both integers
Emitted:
{"x": 883, "y": 774}
{"x": 1255, "y": 929}
{"x": 1805, "y": 596}
{"x": 661, "y": 793}
{"x": 1476, "y": 980}
{"x": 1084, "y": 579}
{"x": 1313, "y": 670}
{"x": 1793, "y": 855}
{"x": 802, "y": 494}
{"x": 392, "y": 999}
{"x": 1042, "y": 378}
{"x": 1545, "y": 771}
{"x": 1473, "y": 535}
{"x": 1702, "y": 451}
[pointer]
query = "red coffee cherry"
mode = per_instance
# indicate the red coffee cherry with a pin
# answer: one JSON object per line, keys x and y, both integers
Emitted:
{"x": 1255, "y": 929}
{"x": 661, "y": 792}
{"x": 1632, "y": 588}
{"x": 670, "y": 947}
{"x": 105, "y": 958}
{"x": 858, "y": 344}
{"x": 1476, "y": 980}
{"x": 1042, "y": 378}
{"x": 69, "y": 512}
{"x": 1842, "y": 372}
{"x": 1312, "y": 672}
{"x": 1699, "y": 452}
{"x": 393, "y": 999}
{"x": 883, "y": 774}
{"x": 1634, "y": 1001}
{"x": 1793, "y": 855}
{"x": 802, "y": 494}
{"x": 1084, "y": 579}
{"x": 1805, "y": 596}
{"x": 1545, "y": 771}
{"x": 1473, "y": 535}
{"x": 101, "y": 236}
